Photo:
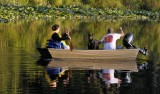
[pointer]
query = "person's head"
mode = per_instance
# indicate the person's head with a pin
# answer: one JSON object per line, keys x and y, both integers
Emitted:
{"x": 110, "y": 30}
{"x": 55, "y": 27}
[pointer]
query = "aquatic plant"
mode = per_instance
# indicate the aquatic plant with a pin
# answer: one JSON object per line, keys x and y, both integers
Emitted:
{"x": 13, "y": 13}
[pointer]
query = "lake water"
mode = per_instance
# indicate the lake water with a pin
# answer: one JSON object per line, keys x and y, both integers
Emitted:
{"x": 23, "y": 72}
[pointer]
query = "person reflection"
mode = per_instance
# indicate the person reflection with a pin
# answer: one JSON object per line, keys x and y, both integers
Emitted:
{"x": 58, "y": 74}
{"x": 54, "y": 74}
{"x": 108, "y": 77}
{"x": 112, "y": 79}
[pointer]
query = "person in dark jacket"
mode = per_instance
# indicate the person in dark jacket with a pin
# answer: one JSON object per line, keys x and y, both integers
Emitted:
{"x": 57, "y": 41}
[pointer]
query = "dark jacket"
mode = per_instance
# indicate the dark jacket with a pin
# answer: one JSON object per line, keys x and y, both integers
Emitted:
{"x": 56, "y": 43}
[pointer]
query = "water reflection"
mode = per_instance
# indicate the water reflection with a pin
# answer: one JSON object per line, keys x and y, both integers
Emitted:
{"x": 65, "y": 77}
{"x": 109, "y": 78}
{"x": 56, "y": 74}
{"x": 20, "y": 75}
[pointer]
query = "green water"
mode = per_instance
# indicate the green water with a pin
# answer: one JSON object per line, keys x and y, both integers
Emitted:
{"x": 20, "y": 73}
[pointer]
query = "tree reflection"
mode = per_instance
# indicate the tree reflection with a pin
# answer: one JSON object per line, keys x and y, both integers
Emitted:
{"x": 31, "y": 34}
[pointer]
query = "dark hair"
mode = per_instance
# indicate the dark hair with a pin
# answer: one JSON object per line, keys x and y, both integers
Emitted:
{"x": 110, "y": 30}
{"x": 55, "y": 27}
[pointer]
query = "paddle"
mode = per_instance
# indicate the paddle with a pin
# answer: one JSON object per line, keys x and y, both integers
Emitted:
{"x": 70, "y": 44}
{"x": 70, "y": 41}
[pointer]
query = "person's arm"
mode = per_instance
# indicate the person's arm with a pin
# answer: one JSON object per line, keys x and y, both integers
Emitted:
{"x": 102, "y": 40}
{"x": 122, "y": 32}
{"x": 68, "y": 35}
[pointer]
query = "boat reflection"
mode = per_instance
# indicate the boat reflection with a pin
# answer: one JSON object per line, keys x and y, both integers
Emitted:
{"x": 94, "y": 64}
{"x": 111, "y": 75}
{"x": 90, "y": 76}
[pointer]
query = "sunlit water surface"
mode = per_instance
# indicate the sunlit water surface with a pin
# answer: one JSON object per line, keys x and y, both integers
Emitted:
{"x": 23, "y": 72}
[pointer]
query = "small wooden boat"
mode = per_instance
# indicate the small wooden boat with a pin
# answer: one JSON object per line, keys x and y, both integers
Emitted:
{"x": 123, "y": 59}
{"x": 121, "y": 54}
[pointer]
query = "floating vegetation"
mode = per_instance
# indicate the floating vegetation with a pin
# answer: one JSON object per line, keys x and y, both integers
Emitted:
{"x": 12, "y": 13}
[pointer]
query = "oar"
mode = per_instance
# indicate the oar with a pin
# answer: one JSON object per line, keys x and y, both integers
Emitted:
{"x": 70, "y": 41}
{"x": 71, "y": 44}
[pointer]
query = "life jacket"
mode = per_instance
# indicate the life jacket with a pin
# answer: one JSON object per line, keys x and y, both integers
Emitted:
{"x": 57, "y": 44}
{"x": 56, "y": 72}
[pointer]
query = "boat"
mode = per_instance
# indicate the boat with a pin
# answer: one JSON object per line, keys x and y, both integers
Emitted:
{"x": 121, "y": 54}
{"x": 122, "y": 59}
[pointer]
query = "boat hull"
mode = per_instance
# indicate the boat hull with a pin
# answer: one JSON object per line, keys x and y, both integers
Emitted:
{"x": 123, "y": 59}
{"x": 89, "y": 54}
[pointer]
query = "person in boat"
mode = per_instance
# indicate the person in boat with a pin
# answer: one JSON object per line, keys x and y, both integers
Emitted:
{"x": 110, "y": 39}
{"x": 57, "y": 41}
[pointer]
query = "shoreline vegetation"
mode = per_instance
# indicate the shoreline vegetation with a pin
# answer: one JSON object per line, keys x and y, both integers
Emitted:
{"x": 11, "y": 13}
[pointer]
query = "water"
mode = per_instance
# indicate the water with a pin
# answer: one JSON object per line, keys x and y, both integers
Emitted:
{"x": 21, "y": 72}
